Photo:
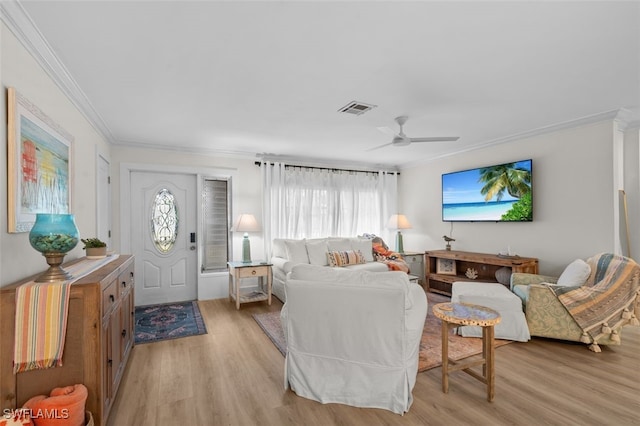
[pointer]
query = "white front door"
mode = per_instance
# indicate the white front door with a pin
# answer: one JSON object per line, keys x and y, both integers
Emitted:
{"x": 163, "y": 209}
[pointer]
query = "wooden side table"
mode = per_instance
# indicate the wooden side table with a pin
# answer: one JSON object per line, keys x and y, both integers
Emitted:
{"x": 239, "y": 270}
{"x": 453, "y": 314}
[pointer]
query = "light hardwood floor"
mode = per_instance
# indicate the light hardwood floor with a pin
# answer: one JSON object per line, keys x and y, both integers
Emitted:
{"x": 234, "y": 376}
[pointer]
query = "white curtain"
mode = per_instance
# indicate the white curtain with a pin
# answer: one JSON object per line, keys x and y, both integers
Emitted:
{"x": 302, "y": 202}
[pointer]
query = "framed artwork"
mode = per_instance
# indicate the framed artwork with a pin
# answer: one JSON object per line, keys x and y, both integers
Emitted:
{"x": 39, "y": 154}
{"x": 445, "y": 266}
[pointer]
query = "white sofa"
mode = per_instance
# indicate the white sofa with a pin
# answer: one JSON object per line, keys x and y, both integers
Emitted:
{"x": 353, "y": 337}
{"x": 290, "y": 252}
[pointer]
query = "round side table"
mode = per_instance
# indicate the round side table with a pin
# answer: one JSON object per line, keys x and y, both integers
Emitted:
{"x": 456, "y": 314}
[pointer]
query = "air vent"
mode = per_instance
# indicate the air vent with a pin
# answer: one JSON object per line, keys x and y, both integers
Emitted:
{"x": 356, "y": 108}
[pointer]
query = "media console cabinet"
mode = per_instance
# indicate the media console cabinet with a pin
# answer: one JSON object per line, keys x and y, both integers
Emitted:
{"x": 444, "y": 267}
{"x": 98, "y": 342}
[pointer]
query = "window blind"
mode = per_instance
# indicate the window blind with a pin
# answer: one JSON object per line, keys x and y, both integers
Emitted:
{"x": 216, "y": 224}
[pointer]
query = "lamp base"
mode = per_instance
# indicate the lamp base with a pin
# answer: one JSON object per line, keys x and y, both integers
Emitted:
{"x": 246, "y": 249}
{"x": 399, "y": 246}
{"x": 55, "y": 272}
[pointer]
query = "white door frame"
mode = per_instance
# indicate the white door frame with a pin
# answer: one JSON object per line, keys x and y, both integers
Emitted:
{"x": 125, "y": 195}
{"x": 105, "y": 211}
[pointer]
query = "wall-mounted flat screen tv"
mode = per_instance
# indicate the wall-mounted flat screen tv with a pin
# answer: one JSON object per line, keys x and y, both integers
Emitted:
{"x": 499, "y": 193}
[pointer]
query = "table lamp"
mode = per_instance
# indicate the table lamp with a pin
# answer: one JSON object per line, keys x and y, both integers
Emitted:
{"x": 398, "y": 221}
{"x": 246, "y": 223}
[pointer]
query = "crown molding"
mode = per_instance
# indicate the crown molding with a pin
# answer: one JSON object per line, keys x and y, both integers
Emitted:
{"x": 627, "y": 119}
{"x": 185, "y": 149}
{"x": 621, "y": 114}
{"x": 18, "y": 21}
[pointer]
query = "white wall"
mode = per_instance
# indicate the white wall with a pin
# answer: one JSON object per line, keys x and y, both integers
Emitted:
{"x": 21, "y": 71}
{"x": 572, "y": 199}
{"x": 632, "y": 187}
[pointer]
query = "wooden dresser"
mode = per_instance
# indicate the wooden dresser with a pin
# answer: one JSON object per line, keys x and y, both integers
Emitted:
{"x": 98, "y": 341}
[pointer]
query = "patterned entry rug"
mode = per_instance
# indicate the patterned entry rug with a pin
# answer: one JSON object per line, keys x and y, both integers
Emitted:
{"x": 168, "y": 321}
{"x": 430, "y": 345}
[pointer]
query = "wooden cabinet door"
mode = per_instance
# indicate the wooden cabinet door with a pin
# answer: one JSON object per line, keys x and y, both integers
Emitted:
{"x": 107, "y": 364}
{"x": 116, "y": 348}
{"x": 126, "y": 318}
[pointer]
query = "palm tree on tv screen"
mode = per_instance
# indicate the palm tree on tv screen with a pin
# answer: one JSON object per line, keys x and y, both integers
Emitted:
{"x": 516, "y": 181}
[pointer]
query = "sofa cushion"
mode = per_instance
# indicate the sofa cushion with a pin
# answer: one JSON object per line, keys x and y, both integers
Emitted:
{"x": 343, "y": 275}
{"x": 575, "y": 274}
{"x": 311, "y": 274}
{"x": 279, "y": 249}
{"x": 365, "y": 246}
{"x": 296, "y": 251}
{"x": 343, "y": 258}
{"x": 339, "y": 244}
{"x": 369, "y": 266}
{"x": 317, "y": 251}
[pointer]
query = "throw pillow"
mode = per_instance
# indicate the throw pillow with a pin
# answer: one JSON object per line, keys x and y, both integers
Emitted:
{"x": 365, "y": 246}
{"x": 19, "y": 417}
{"x": 296, "y": 251}
{"x": 317, "y": 251}
{"x": 339, "y": 244}
{"x": 344, "y": 258}
{"x": 503, "y": 275}
{"x": 575, "y": 274}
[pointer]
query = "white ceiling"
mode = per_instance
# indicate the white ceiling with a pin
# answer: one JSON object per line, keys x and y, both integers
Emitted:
{"x": 268, "y": 77}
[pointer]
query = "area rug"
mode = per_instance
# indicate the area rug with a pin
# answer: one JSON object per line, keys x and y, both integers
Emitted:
{"x": 154, "y": 323}
{"x": 430, "y": 344}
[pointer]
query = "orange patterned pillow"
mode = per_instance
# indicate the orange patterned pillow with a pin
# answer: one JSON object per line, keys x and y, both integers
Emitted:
{"x": 344, "y": 258}
{"x": 20, "y": 417}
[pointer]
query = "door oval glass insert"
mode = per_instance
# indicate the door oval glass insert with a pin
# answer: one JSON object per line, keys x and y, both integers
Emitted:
{"x": 164, "y": 220}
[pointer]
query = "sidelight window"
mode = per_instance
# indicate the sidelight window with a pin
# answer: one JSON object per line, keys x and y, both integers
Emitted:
{"x": 216, "y": 210}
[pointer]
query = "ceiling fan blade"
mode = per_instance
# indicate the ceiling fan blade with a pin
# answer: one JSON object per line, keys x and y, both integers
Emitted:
{"x": 379, "y": 146}
{"x": 387, "y": 131}
{"x": 436, "y": 139}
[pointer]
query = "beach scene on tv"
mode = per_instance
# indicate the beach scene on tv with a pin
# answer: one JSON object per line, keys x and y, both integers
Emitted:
{"x": 496, "y": 193}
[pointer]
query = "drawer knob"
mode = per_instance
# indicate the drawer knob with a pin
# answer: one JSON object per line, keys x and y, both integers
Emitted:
{"x": 253, "y": 272}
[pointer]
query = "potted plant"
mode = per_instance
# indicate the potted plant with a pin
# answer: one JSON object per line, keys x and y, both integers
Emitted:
{"x": 95, "y": 248}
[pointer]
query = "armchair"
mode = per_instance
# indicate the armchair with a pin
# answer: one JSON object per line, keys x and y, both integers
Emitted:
{"x": 353, "y": 337}
{"x": 593, "y": 313}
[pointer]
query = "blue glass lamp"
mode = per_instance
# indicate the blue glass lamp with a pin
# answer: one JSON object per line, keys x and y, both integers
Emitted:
{"x": 54, "y": 235}
{"x": 246, "y": 223}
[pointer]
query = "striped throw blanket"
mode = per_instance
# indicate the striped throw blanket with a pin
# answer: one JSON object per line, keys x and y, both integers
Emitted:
{"x": 41, "y": 318}
{"x": 41, "y": 325}
{"x": 607, "y": 300}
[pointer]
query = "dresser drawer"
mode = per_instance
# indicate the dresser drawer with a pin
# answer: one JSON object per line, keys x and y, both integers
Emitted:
{"x": 109, "y": 297}
{"x": 254, "y": 271}
{"x": 125, "y": 282}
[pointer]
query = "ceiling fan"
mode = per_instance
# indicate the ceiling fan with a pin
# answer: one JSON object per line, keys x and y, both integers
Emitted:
{"x": 400, "y": 139}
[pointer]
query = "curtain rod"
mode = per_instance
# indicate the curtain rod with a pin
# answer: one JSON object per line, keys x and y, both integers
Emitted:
{"x": 333, "y": 169}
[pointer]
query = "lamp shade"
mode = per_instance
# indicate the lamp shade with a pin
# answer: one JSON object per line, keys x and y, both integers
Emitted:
{"x": 398, "y": 221}
{"x": 246, "y": 223}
